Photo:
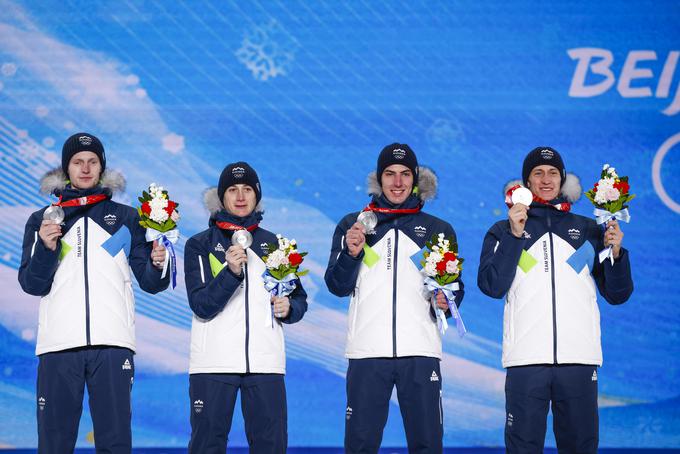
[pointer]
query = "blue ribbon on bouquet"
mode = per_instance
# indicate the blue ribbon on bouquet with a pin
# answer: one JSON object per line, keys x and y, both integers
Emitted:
{"x": 449, "y": 291}
{"x": 604, "y": 216}
{"x": 278, "y": 287}
{"x": 167, "y": 239}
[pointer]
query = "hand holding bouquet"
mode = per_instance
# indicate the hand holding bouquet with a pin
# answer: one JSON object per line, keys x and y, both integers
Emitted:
{"x": 610, "y": 196}
{"x": 283, "y": 269}
{"x": 159, "y": 215}
{"x": 441, "y": 267}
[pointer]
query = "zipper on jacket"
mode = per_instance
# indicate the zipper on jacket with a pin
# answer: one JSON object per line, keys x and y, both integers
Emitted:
{"x": 87, "y": 285}
{"x": 245, "y": 284}
{"x": 554, "y": 295}
{"x": 394, "y": 290}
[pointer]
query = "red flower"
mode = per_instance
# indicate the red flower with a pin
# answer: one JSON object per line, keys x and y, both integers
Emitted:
{"x": 622, "y": 186}
{"x": 294, "y": 259}
{"x": 449, "y": 257}
{"x": 146, "y": 208}
{"x": 441, "y": 267}
{"x": 171, "y": 207}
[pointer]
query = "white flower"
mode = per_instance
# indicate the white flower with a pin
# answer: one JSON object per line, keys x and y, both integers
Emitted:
{"x": 430, "y": 268}
{"x": 276, "y": 259}
{"x": 452, "y": 266}
{"x": 441, "y": 236}
{"x": 158, "y": 213}
{"x": 434, "y": 257}
{"x": 174, "y": 216}
{"x": 293, "y": 242}
{"x": 605, "y": 167}
{"x": 435, "y": 248}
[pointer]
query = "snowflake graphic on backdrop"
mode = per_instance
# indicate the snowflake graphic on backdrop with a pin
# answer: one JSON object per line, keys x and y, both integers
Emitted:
{"x": 445, "y": 135}
{"x": 267, "y": 51}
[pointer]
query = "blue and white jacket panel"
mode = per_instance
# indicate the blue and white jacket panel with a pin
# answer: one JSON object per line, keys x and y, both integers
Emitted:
{"x": 231, "y": 331}
{"x": 86, "y": 284}
{"x": 549, "y": 279}
{"x": 390, "y": 312}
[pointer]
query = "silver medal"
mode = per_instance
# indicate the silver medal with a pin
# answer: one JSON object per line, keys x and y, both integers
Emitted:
{"x": 242, "y": 238}
{"x": 54, "y": 213}
{"x": 522, "y": 195}
{"x": 369, "y": 220}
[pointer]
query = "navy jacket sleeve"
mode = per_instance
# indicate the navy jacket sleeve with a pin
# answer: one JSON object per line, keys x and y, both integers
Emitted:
{"x": 148, "y": 276}
{"x": 38, "y": 264}
{"x": 298, "y": 305}
{"x": 343, "y": 269}
{"x": 614, "y": 282}
{"x": 207, "y": 294}
{"x": 498, "y": 265}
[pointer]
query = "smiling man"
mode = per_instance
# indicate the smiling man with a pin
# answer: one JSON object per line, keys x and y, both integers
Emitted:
{"x": 80, "y": 266}
{"x": 392, "y": 337}
{"x": 543, "y": 260}
{"x": 235, "y": 344}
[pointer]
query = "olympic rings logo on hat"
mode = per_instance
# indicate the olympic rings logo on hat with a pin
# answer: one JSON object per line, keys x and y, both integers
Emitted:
{"x": 85, "y": 140}
{"x": 547, "y": 154}
{"x": 238, "y": 172}
{"x": 398, "y": 153}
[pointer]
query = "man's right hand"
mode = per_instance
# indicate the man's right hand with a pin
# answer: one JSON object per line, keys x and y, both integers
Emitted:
{"x": 518, "y": 219}
{"x": 355, "y": 239}
{"x": 236, "y": 257}
{"x": 49, "y": 233}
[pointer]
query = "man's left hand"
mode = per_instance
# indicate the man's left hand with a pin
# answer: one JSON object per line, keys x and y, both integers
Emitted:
{"x": 281, "y": 306}
{"x": 158, "y": 255}
{"x": 441, "y": 301}
{"x": 613, "y": 236}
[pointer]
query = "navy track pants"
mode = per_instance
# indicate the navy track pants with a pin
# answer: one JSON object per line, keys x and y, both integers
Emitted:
{"x": 369, "y": 388}
{"x": 572, "y": 390}
{"x": 263, "y": 403}
{"x": 108, "y": 373}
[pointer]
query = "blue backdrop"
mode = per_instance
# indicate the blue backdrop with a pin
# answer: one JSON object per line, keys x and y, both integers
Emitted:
{"x": 308, "y": 93}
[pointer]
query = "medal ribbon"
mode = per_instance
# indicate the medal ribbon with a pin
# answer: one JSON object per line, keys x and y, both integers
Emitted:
{"x": 371, "y": 207}
{"x": 81, "y": 201}
{"x": 224, "y": 225}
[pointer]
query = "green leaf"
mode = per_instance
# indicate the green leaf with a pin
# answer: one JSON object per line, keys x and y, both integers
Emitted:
{"x": 146, "y": 195}
{"x": 303, "y": 272}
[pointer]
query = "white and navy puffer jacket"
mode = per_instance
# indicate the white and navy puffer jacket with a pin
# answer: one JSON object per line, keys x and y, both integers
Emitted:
{"x": 86, "y": 284}
{"x": 231, "y": 331}
{"x": 390, "y": 314}
{"x": 549, "y": 278}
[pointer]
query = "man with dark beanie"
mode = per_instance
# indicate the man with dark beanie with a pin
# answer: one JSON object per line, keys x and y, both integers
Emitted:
{"x": 235, "y": 345}
{"x": 77, "y": 256}
{"x": 543, "y": 261}
{"x": 392, "y": 337}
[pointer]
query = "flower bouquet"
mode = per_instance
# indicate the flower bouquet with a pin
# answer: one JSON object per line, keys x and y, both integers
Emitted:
{"x": 610, "y": 196}
{"x": 159, "y": 215}
{"x": 441, "y": 266}
{"x": 283, "y": 269}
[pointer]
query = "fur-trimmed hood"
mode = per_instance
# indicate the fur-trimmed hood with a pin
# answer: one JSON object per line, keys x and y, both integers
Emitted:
{"x": 427, "y": 184}
{"x": 571, "y": 189}
{"x": 56, "y": 179}
{"x": 213, "y": 204}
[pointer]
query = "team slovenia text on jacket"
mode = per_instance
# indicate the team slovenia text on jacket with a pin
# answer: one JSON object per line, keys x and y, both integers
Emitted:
{"x": 232, "y": 330}
{"x": 390, "y": 313}
{"x": 548, "y": 278}
{"x": 86, "y": 285}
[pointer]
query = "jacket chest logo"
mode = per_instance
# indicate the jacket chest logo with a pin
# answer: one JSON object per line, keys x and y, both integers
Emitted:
{"x": 389, "y": 254}
{"x": 574, "y": 234}
{"x": 110, "y": 219}
{"x": 219, "y": 247}
{"x": 264, "y": 247}
{"x": 420, "y": 231}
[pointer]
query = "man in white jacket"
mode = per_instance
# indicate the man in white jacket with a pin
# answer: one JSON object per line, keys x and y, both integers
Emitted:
{"x": 237, "y": 339}
{"x": 543, "y": 260}
{"x": 80, "y": 266}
